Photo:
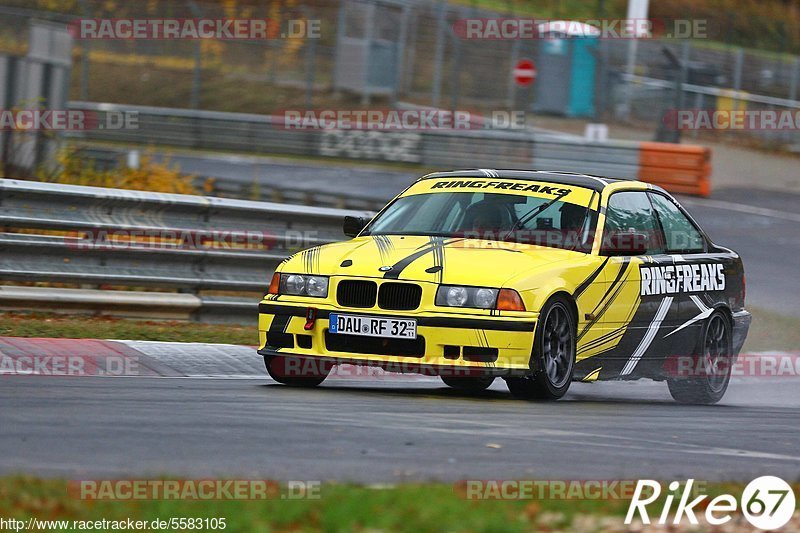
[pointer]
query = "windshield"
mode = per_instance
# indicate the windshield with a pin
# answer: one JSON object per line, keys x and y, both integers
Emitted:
{"x": 491, "y": 216}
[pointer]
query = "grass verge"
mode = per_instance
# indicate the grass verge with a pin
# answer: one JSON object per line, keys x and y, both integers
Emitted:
{"x": 409, "y": 507}
{"x": 83, "y": 327}
{"x": 770, "y": 330}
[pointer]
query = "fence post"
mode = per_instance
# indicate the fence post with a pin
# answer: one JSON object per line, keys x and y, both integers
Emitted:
{"x": 455, "y": 81}
{"x": 686, "y": 55}
{"x": 400, "y": 52}
{"x": 198, "y": 59}
{"x": 84, "y": 90}
{"x": 311, "y": 58}
{"x": 512, "y": 85}
{"x": 438, "y": 54}
{"x": 411, "y": 56}
{"x": 366, "y": 93}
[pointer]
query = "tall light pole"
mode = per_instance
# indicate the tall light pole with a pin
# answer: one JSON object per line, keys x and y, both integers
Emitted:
{"x": 637, "y": 12}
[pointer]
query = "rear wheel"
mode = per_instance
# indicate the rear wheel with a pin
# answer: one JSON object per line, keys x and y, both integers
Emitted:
{"x": 554, "y": 350}
{"x": 470, "y": 384}
{"x": 296, "y": 371}
{"x": 711, "y": 369}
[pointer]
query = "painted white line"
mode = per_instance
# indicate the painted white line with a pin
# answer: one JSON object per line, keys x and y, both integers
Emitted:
{"x": 744, "y": 208}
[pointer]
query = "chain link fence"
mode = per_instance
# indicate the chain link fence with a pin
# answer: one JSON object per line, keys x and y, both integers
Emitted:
{"x": 379, "y": 52}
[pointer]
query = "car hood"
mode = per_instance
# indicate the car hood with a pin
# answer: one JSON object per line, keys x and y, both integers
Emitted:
{"x": 446, "y": 260}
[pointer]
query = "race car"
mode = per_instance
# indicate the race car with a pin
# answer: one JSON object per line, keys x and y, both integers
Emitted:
{"x": 541, "y": 278}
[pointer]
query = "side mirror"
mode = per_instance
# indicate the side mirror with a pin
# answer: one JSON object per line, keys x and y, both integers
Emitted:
{"x": 625, "y": 243}
{"x": 353, "y": 225}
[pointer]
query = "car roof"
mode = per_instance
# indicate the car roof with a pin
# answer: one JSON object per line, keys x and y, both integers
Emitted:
{"x": 589, "y": 181}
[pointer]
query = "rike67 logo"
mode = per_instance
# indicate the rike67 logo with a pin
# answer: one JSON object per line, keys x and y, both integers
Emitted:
{"x": 767, "y": 502}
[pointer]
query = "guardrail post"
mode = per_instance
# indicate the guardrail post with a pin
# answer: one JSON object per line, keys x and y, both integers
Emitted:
{"x": 737, "y": 69}
{"x": 794, "y": 78}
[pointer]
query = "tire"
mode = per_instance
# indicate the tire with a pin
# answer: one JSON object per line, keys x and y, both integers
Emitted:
{"x": 468, "y": 384}
{"x": 295, "y": 371}
{"x": 713, "y": 363}
{"x": 553, "y": 358}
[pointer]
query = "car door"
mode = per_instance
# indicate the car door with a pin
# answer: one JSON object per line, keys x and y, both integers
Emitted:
{"x": 642, "y": 309}
{"x": 700, "y": 273}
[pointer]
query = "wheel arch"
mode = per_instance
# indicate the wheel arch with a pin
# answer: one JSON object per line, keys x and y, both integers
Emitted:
{"x": 726, "y": 312}
{"x": 573, "y": 306}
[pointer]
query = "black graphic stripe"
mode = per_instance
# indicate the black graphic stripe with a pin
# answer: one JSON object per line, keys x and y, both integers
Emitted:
{"x": 599, "y": 314}
{"x": 438, "y": 256}
{"x": 588, "y": 281}
{"x": 611, "y": 336}
{"x": 279, "y": 324}
{"x": 384, "y": 245}
{"x": 608, "y": 337}
{"x": 431, "y": 247}
{"x": 311, "y": 260}
{"x": 608, "y": 298}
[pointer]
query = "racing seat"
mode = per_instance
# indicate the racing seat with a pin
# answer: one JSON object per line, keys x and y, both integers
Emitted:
{"x": 487, "y": 215}
{"x": 572, "y": 217}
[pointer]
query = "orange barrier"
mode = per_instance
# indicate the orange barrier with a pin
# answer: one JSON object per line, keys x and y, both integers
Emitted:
{"x": 677, "y": 168}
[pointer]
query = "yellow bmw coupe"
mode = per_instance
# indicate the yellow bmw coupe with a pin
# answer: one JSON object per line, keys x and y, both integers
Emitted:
{"x": 540, "y": 278}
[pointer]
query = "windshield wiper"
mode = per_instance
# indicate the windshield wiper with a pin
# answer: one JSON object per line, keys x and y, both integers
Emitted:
{"x": 533, "y": 213}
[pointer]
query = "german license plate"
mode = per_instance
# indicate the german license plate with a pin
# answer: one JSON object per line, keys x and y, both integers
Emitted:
{"x": 373, "y": 326}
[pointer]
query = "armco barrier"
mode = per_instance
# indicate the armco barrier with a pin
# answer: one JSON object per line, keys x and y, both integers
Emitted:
{"x": 144, "y": 245}
{"x": 678, "y": 168}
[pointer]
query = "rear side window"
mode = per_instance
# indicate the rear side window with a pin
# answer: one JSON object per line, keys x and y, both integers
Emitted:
{"x": 631, "y": 211}
{"x": 679, "y": 232}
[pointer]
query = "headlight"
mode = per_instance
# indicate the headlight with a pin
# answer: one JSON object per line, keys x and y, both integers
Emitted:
{"x": 317, "y": 286}
{"x": 295, "y": 284}
{"x": 456, "y": 296}
{"x": 485, "y": 298}
{"x": 302, "y": 285}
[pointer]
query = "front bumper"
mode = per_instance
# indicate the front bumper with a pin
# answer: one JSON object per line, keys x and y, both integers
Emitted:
{"x": 490, "y": 344}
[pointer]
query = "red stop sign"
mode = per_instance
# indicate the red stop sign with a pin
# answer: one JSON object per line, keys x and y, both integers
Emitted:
{"x": 524, "y": 72}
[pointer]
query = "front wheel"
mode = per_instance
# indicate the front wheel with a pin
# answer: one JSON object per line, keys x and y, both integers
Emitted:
{"x": 711, "y": 370}
{"x": 469, "y": 384}
{"x": 554, "y": 353}
{"x": 296, "y": 371}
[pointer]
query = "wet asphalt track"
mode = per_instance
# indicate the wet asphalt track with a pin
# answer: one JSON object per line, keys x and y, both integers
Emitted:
{"x": 174, "y": 413}
{"x": 390, "y": 431}
{"x": 417, "y": 429}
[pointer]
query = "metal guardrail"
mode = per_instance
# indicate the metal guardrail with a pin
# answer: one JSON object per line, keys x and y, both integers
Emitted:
{"x": 133, "y": 239}
{"x": 512, "y": 149}
{"x": 677, "y": 168}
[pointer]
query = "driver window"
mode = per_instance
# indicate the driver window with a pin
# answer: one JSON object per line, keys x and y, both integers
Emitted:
{"x": 630, "y": 211}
